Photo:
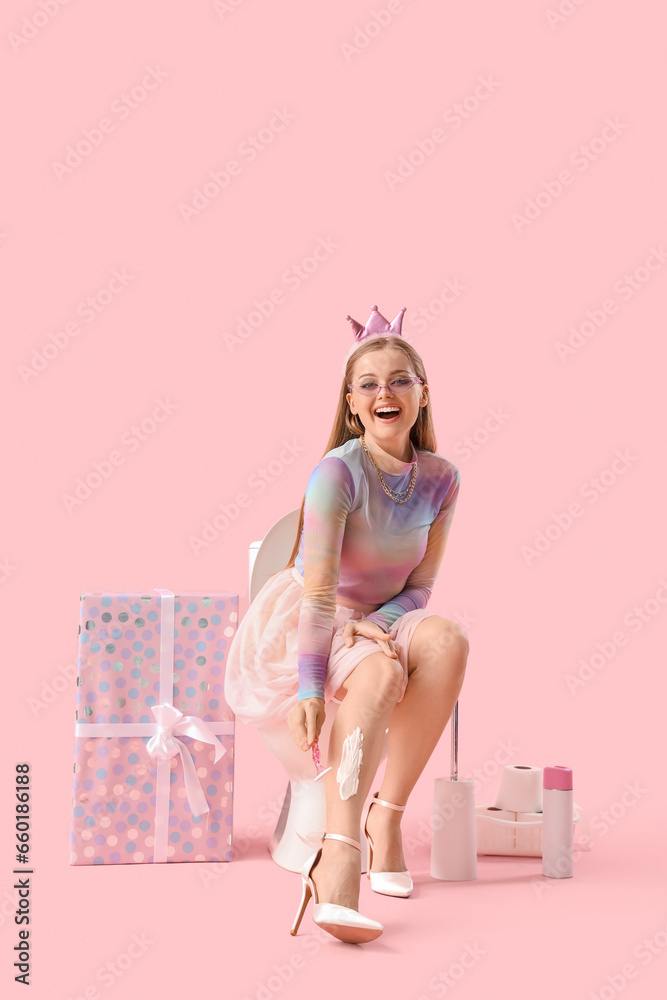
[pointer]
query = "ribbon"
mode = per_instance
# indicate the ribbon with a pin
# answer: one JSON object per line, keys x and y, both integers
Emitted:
{"x": 164, "y": 744}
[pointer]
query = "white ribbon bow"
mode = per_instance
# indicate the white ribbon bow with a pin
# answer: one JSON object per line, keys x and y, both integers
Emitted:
{"x": 164, "y": 744}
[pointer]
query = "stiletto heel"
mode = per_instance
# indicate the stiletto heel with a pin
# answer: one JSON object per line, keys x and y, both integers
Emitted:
{"x": 342, "y": 922}
{"x": 305, "y": 896}
{"x": 387, "y": 883}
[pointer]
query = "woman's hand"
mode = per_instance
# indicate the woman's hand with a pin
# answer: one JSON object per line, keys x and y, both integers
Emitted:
{"x": 305, "y": 721}
{"x": 372, "y": 631}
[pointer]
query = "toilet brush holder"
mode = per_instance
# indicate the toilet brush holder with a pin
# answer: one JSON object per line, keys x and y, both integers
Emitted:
{"x": 454, "y": 840}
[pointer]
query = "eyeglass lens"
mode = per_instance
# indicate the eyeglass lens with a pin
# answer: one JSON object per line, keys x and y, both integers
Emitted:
{"x": 398, "y": 385}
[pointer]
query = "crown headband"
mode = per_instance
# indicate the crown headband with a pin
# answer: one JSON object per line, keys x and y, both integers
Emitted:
{"x": 377, "y": 326}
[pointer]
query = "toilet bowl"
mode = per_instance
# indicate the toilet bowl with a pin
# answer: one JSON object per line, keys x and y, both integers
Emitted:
{"x": 304, "y": 805}
{"x": 303, "y": 809}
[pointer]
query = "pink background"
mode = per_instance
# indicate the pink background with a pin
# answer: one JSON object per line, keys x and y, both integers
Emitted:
{"x": 219, "y": 76}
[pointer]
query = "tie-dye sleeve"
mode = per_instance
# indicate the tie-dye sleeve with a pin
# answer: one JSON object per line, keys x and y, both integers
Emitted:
{"x": 419, "y": 585}
{"x": 329, "y": 498}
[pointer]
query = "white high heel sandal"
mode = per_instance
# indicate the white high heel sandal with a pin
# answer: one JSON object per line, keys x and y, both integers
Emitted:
{"x": 388, "y": 883}
{"x": 343, "y": 922}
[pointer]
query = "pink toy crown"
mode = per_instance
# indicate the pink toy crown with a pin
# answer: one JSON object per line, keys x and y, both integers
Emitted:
{"x": 376, "y": 326}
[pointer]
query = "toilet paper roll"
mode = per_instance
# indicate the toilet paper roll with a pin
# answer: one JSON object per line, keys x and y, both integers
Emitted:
{"x": 454, "y": 841}
{"x": 520, "y": 788}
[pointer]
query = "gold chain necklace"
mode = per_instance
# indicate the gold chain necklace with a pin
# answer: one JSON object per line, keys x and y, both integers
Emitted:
{"x": 394, "y": 494}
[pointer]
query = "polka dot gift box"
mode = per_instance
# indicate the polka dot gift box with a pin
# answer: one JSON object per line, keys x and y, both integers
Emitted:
{"x": 154, "y": 736}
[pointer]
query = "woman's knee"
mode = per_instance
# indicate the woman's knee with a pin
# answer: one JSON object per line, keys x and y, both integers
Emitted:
{"x": 380, "y": 678}
{"x": 460, "y": 637}
{"x": 436, "y": 637}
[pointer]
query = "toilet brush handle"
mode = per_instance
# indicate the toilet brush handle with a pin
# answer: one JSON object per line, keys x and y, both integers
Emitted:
{"x": 455, "y": 743}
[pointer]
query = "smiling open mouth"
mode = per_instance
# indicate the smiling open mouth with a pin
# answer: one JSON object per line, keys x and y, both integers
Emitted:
{"x": 388, "y": 413}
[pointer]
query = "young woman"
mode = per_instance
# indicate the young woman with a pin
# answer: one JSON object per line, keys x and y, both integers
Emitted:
{"x": 346, "y": 620}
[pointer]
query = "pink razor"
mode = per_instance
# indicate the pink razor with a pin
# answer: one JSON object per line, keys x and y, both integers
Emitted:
{"x": 316, "y": 760}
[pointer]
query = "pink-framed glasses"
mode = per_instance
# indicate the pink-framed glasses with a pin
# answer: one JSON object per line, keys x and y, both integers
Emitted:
{"x": 397, "y": 385}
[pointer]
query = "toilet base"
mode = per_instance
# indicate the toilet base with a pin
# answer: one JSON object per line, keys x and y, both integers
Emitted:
{"x": 304, "y": 806}
{"x": 303, "y": 810}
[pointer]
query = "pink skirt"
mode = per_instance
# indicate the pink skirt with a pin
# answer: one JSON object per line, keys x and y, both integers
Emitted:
{"x": 261, "y": 673}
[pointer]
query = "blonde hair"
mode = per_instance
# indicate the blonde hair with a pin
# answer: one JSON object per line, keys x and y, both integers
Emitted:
{"x": 348, "y": 425}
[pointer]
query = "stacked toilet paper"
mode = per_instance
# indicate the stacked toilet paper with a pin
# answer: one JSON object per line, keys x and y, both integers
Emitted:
{"x": 514, "y": 824}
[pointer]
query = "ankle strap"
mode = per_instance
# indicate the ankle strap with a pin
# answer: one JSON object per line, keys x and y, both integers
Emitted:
{"x": 383, "y": 802}
{"x": 340, "y": 836}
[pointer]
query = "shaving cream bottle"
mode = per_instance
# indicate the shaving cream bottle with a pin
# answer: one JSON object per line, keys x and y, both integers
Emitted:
{"x": 557, "y": 822}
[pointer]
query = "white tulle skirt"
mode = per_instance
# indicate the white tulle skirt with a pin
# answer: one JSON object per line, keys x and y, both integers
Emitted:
{"x": 261, "y": 673}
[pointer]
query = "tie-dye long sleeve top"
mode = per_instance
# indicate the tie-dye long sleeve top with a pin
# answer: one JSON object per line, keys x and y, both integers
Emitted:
{"x": 361, "y": 549}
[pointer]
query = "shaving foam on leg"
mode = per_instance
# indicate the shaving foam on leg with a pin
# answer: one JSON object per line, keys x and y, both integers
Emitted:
{"x": 350, "y": 763}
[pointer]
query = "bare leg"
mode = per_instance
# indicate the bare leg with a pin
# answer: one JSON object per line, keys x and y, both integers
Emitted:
{"x": 436, "y": 668}
{"x": 369, "y": 695}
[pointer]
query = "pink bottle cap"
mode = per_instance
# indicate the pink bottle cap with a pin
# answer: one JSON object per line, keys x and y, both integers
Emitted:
{"x": 557, "y": 777}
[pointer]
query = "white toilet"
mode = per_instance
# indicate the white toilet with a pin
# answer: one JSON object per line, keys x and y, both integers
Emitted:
{"x": 304, "y": 805}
